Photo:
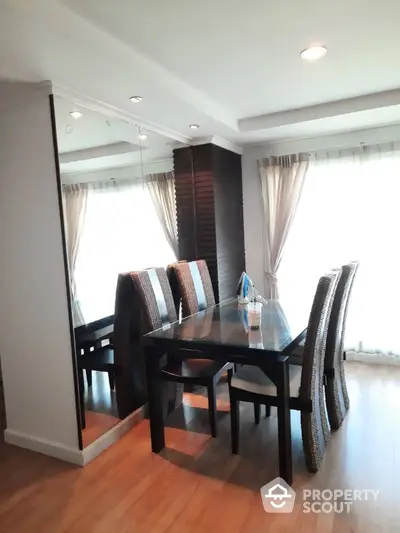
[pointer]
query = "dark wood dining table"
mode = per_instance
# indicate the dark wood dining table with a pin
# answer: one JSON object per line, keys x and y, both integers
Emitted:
{"x": 222, "y": 333}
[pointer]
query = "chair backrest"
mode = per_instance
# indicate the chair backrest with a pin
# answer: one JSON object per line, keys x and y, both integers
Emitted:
{"x": 156, "y": 297}
{"x": 130, "y": 378}
{"x": 337, "y": 321}
{"x": 311, "y": 388}
{"x": 195, "y": 286}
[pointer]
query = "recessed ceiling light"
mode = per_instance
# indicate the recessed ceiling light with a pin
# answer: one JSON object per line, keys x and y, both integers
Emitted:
{"x": 136, "y": 99}
{"x": 313, "y": 53}
{"x": 142, "y": 136}
{"x": 76, "y": 114}
{"x": 194, "y": 126}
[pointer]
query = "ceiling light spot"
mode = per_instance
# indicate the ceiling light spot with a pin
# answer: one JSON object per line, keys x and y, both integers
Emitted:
{"x": 142, "y": 136}
{"x": 68, "y": 129}
{"x": 194, "y": 126}
{"x": 76, "y": 114}
{"x": 136, "y": 99}
{"x": 313, "y": 53}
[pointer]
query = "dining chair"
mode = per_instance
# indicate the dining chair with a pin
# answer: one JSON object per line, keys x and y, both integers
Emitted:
{"x": 195, "y": 286}
{"x": 159, "y": 311}
{"x": 337, "y": 398}
{"x": 251, "y": 384}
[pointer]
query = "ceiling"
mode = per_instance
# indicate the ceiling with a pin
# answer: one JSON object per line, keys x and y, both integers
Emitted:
{"x": 232, "y": 67}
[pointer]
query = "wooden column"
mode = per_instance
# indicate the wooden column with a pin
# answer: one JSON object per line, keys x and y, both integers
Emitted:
{"x": 210, "y": 212}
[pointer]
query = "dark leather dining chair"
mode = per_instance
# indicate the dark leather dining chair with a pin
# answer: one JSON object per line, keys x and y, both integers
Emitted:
{"x": 159, "y": 311}
{"x": 251, "y": 384}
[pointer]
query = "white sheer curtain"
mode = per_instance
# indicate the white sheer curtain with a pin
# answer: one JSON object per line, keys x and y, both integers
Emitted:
{"x": 162, "y": 191}
{"x": 282, "y": 180}
{"x": 349, "y": 209}
{"x": 122, "y": 233}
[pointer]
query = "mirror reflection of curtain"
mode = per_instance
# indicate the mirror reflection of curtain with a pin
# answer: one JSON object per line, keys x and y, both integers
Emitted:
{"x": 162, "y": 191}
{"x": 75, "y": 199}
{"x": 121, "y": 233}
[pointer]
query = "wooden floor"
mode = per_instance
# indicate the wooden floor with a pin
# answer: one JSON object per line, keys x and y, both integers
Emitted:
{"x": 197, "y": 486}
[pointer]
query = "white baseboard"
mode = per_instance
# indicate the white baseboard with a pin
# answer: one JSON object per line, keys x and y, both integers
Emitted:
{"x": 70, "y": 455}
{"x": 47, "y": 447}
{"x": 113, "y": 435}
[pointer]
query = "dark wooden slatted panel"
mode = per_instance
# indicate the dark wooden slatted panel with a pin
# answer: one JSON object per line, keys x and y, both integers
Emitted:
{"x": 210, "y": 212}
{"x": 228, "y": 197}
{"x": 184, "y": 192}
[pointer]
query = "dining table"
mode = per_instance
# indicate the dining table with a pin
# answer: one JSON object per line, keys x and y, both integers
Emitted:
{"x": 222, "y": 332}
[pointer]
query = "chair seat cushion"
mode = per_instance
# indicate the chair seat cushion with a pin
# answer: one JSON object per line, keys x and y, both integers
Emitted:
{"x": 253, "y": 379}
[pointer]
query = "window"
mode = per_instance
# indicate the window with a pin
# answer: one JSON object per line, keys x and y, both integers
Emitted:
{"x": 121, "y": 233}
{"x": 349, "y": 209}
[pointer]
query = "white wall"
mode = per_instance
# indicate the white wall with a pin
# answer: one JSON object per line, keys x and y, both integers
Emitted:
{"x": 252, "y": 203}
{"x": 35, "y": 340}
{"x": 253, "y": 218}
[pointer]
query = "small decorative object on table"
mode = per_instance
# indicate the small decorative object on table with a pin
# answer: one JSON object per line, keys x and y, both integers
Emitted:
{"x": 246, "y": 292}
{"x": 254, "y": 310}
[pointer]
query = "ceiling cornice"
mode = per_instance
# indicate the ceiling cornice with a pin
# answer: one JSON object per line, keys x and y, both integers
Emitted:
{"x": 315, "y": 112}
{"x": 218, "y": 141}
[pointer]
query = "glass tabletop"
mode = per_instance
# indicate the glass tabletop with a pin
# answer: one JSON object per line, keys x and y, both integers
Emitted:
{"x": 228, "y": 324}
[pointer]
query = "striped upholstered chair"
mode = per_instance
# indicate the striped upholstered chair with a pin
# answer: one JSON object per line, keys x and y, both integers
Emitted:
{"x": 159, "y": 310}
{"x": 250, "y": 384}
{"x": 337, "y": 399}
{"x": 194, "y": 285}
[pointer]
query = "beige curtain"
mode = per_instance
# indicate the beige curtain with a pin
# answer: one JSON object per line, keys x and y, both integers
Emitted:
{"x": 162, "y": 191}
{"x": 74, "y": 203}
{"x": 282, "y": 180}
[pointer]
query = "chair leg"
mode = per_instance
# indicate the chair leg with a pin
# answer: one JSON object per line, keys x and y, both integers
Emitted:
{"x": 267, "y": 411}
{"x": 89, "y": 377}
{"x": 344, "y": 356}
{"x": 235, "y": 420}
{"x": 111, "y": 380}
{"x": 257, "y": 413}
{"x": 212, "y": 408}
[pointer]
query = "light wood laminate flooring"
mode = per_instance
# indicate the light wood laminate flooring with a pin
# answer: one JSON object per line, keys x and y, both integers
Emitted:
{"x": 197, "y": 486}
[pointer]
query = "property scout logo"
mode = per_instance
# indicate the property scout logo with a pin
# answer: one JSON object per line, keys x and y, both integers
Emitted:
{"x": 278, "y": 497}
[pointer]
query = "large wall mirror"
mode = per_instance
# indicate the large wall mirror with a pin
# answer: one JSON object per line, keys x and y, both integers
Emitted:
{"x": 111, "y": 174}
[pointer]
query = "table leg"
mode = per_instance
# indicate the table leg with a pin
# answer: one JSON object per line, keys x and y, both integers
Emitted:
{"x": 155, "y": 397}
{"x": 284, "y": 428}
